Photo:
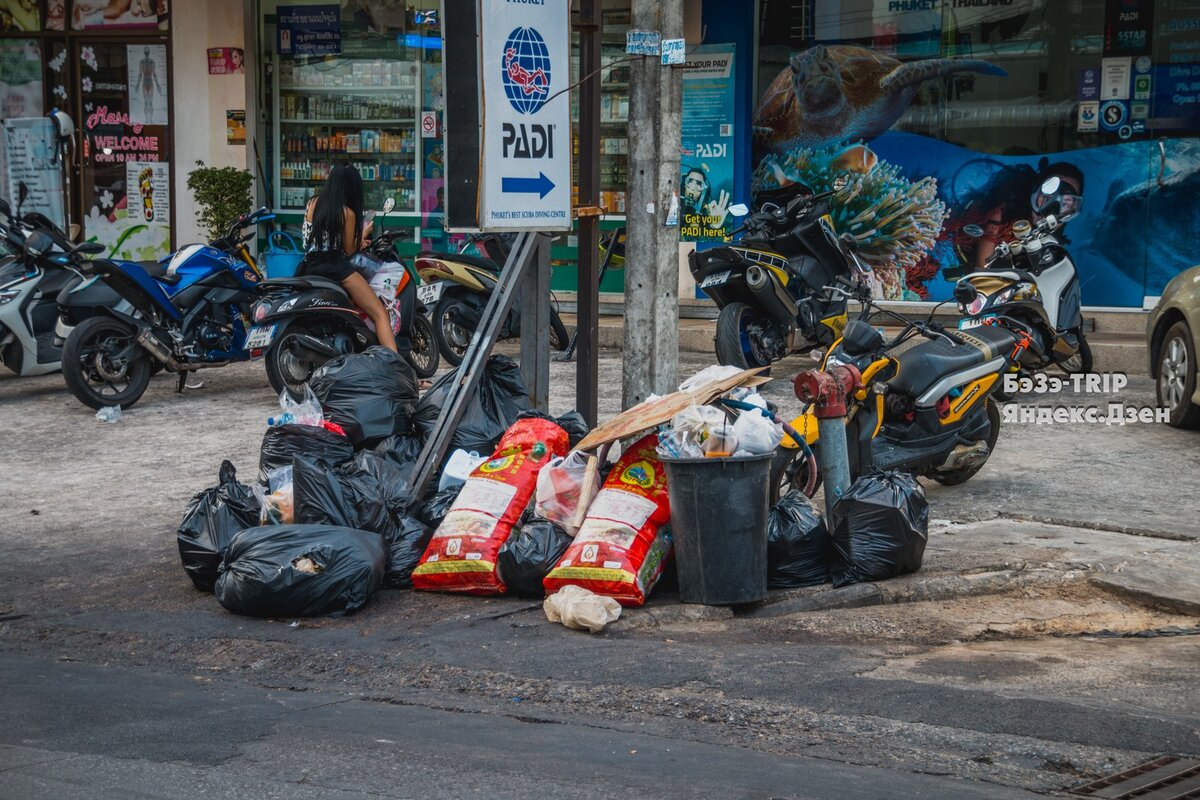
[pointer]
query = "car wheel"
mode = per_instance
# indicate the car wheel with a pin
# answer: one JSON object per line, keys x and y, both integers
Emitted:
{"x": 1177, "y": 377}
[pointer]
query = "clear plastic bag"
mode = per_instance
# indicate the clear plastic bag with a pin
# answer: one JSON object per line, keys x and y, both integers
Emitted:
{"x": 276, "y": 500}
{"x": 561, "y": 486}
{"x": 306, "y": 412}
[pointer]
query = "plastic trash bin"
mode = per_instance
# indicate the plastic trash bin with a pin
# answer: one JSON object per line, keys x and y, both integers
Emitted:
{"x": 719, "y": 518}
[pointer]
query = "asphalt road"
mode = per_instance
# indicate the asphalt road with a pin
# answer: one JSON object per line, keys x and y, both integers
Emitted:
{"x": 120, "y": 680}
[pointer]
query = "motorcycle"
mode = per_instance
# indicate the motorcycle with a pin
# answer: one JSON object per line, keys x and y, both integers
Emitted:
{"x": 769, "y": 287}
{"x": 928, "y": 410}
{"x": 457, "y": 287}
{"x": 305, "y": 321}
{"x": 192, "y": 316}
{"x": 30, "y": 284}
{"x": 1033, "y": 279}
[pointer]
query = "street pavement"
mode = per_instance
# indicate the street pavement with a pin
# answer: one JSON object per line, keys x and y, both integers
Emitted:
{"x": 1049, "y": 639}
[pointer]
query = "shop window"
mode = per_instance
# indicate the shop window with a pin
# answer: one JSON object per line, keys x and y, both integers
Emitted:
{"x": 356, "y": 94}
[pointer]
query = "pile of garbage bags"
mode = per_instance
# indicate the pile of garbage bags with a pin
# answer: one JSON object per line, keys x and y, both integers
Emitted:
{"x": 878, "y": 531}
{"x": 333, "y": 517}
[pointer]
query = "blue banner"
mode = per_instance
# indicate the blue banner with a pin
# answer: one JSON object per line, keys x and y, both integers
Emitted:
{"x": 706, "y": 185}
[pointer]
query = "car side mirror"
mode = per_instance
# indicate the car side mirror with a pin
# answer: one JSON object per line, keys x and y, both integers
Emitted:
{"x": 965, "y": 293}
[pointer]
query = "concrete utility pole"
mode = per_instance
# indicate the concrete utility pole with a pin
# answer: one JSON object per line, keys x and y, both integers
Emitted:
{"x": 651, "y": 356}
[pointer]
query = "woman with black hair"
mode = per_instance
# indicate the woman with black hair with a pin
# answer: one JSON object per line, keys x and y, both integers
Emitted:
{"x": 332, "y": 234}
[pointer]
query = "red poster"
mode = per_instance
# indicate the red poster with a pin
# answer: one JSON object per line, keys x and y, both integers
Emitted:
{"x": 226, "y": 61}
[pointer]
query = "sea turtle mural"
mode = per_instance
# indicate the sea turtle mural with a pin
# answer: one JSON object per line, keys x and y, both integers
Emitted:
{"x": 844, "y": 93}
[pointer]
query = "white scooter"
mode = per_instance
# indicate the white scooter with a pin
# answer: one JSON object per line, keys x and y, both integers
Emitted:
{"x": 1033, "y": 280}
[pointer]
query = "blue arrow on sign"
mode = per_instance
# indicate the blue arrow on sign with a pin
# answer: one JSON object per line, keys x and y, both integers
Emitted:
{"x": 541, "y": 185}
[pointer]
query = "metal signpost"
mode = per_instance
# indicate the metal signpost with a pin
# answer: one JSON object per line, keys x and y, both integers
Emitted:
{"x": 508, "y": 168}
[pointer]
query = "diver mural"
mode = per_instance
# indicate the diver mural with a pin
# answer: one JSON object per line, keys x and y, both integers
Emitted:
{"x": 1139, "y": 218}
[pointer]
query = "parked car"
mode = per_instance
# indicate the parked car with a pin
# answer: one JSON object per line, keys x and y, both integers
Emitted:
{"x": 1173, "y": 332}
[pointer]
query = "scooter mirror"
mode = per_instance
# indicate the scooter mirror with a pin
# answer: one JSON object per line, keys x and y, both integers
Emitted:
{"x": 1051, "y": 185}
{"x": 965, "y": 293}
{"x": 739, "y": 210}
{"x": 974, "y": 231}
{"x": 1021, "y": 229}
{"x": 388, "y": 205}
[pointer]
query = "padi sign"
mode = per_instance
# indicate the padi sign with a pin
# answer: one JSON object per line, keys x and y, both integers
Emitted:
{"x": 524, "y": 68}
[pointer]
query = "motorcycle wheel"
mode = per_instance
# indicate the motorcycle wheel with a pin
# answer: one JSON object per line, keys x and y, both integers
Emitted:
{"x": 424, "y": 356}
{"x": 965, "y": 474}
{"x": 1081, "y": 362}
{"x": 734, "y": 345}
{"x": 452, "y": 339}
{"x": 559, "y": 338}
{"x": 93, "y": 370}
{"x": 288, "y": 369}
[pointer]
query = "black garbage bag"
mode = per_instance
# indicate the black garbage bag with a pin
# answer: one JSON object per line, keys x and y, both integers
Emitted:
{"x": 368, "y": 494}
{"x": 401, "y": 450}
{"x": 283, "y": 443}
{"x": 495, "y": 406}
{"x": 879, "y": 528}
{"x": 798, "y": 545}
{"x": 572, "y": 422}
{"x": 300, "y": 570}
{"x": 370, "y": 394}
{"x": 530, "y": 553}
{"x": 435, "y": 509}
{"x": 212, "y": 518}
{"x": 406, "y": 544}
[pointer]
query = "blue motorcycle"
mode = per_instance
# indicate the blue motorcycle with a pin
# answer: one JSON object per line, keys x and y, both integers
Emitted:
{"x": 190, "y": 311}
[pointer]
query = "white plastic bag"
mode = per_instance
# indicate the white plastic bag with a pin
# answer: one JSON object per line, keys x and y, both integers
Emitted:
{"x": 708, "y": 375}
{"x": 756, "y": 435}
{"x": 581, "y": 609}
{"x": 561, "y": 486}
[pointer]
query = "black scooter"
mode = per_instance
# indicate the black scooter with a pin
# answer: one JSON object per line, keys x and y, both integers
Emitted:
{"x": 305, "y": 321}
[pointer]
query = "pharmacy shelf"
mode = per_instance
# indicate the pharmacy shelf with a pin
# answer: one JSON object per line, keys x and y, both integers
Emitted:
{"x": 348, "y": 90}
{"x": 349, "y": 123}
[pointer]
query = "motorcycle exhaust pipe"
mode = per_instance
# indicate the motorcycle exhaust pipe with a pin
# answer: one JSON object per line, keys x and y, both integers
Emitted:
{"x": 310, "y": 347}
{"x": 773, "y": 297}
{"x": 152, "y": 345}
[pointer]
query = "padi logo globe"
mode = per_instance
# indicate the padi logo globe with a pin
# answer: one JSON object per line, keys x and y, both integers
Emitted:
{"x": 526, "y": 70}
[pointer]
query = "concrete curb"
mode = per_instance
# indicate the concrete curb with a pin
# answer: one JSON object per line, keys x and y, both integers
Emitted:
{"x": 941, "y": 587}
{"x": 1149, "y": 592}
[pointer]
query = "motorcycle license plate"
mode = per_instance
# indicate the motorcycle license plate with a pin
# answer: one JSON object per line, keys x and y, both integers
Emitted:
{"x": 974, "y": 322}
{"x": 430, "y": 293}
{"x": 715, "y": 280}
{"x": 260, "y": 337}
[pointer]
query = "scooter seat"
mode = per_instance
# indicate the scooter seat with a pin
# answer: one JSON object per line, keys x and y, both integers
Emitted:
{"x": 462, "y": 258}
{"x": 925, "y": 364}
{"x": 302, "y": 282}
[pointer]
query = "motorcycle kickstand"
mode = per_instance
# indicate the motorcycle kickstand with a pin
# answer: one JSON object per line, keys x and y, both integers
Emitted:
{"x": 182, "y": 383}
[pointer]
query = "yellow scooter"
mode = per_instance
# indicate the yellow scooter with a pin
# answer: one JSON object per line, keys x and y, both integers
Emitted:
{"x": 927, "y": 410}
{"x": 457, "y": 287}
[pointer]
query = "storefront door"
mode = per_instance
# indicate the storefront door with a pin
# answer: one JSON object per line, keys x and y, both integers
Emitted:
{"x": 125, "y": 145}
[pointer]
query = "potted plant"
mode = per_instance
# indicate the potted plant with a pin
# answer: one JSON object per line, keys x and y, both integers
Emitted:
{"x": 223, "y": 195}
